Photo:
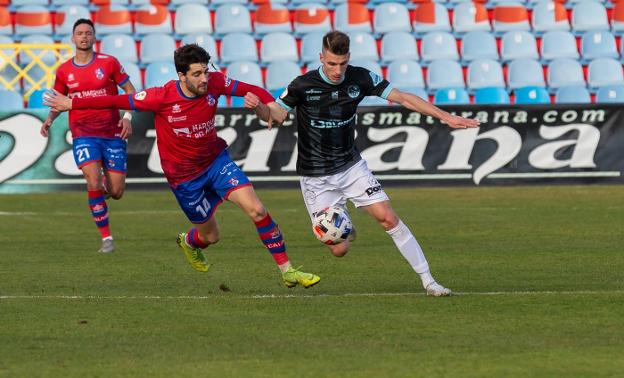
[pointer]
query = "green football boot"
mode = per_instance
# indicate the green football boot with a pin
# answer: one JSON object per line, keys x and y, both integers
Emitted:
{"x": 195, "y": 256}
{"x": 293, "y": 277}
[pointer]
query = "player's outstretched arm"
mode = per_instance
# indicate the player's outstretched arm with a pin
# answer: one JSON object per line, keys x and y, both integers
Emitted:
{"x": 61, "y": 103}
{"x": 416, "y": 103}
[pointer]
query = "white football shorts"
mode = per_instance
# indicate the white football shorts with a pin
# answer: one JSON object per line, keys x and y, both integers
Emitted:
{"x": 357, "y": 184}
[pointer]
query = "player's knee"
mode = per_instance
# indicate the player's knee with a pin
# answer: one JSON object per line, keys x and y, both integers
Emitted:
{"x": 212, "y": 237}
{"x": 116, "y": 193}
{"x": 257, "y": 212}
{"x": 339, "y": 250}
{"x": 389, "y": 221}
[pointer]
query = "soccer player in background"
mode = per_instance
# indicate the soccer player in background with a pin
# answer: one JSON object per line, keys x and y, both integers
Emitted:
{"x": 195, "y": 159}
{"x": 99, "y": 136}
{"x": 331, "y": 168}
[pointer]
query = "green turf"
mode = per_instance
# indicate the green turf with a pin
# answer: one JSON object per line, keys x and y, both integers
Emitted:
{"x": 538, "y": 272}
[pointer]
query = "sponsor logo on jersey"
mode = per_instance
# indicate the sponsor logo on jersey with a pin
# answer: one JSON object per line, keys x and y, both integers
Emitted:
{"x": 228, "y": 81}
{"x": 376, "y": 78}
{"x": 353, "y": 91}
{"x": 176, "y": 108}
{"x": 374, "y": 187}
{"x": 139, "y": 96}
{"x": 73, "y": 85}
{"x": 71, "y": 77}
{"x": 334, "y": 95}
{"x": 313, "y": 98}
{"x": 313, "y": 91}
{"x": 182, "y": 130}
{"x": 173, "y": 119}
{"x": 99, "y": 74}
{"x": 225, "y": 168}
{"x": 310, "y": 197}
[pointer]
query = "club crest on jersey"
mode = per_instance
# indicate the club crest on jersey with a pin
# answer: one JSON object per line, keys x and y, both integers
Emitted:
{"x": 99, "y": 74}
{"x": 140, "y": 95}
{"x": 233, "y": 181}
{"x": 353, "y": 91}
{"x": 211, "y": 100}
{"x": 176, "y": 108}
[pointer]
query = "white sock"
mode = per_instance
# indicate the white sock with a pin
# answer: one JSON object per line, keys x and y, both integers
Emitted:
{"x": 409, "y": 248}
{"x": 284, "y": 267}
{"x": 108, "y": 238}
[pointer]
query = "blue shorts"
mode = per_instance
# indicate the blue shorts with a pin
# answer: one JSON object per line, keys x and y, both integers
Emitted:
{"x": 111, "y": 152}
{"x": 200, "y": 197}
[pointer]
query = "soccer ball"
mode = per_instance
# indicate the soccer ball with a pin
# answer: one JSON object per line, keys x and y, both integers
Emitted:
{"x": 332, "y": 225}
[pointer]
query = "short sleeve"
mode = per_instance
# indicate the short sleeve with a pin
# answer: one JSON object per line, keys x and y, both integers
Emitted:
{"x": 59, "y": 83}
{"x": 289, "y": 99}
{"x": 148, "y": 99}
{"x": 119, "y": 74}
{"x": 377, "y": 85}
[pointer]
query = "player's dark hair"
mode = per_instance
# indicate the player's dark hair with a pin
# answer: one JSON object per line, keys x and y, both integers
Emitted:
{"x": 81, "y": 21}
{"x": 189, "y": 54}
{"x": 336, "y": 42}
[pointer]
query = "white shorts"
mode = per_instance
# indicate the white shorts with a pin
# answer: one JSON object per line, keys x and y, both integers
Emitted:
{"x": 357, "y": 184}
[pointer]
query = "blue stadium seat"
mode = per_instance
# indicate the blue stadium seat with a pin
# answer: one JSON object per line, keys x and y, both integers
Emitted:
{"x": 518, "y": 45}
{"x": 134, "y": 72}
{"x": 159, "y": 73}
{"x": 363, "y": 46}
{"x": 217, "y": 3}
{"x": 565, "y": 73}
{"x": 311, "y": 45}
{"x": 192, "y": 19}
{"x": 121, "y": 46}
{"x": 238, "y": 46}
{"x": 48, "y": 57}
{"x": 398, "y": 45}
{"x": 572, "y": 95}
{"x": 405, "y": 73}
{"x": 485, "y": 73}
{"x": 610, "y": 94}
{"x": 589, "y": 15}
{"x": 478, "y": 45}
{"x": 8, "y": 72}
{"x": 598, "y": 44}
{"x": 157, "y": 47}
{"x": 491, "y": 95}
{"x": 35, "y": 101}
{"x": 469, "y": 16}
{"x": 451, "y": 96}
{"x": 549, "y": 15}
{"x": 11, "y": 100}
{"x": 525, "y": 73}
{"x": 232, "y": 18}
{"x": 604, "y": 71}
{"x": 370, "y": 65}
{"x": 373, "y": 101}
{"x": 280, "y": 73}
{"x": 66, "y": 16}
{"x": 248, "y": 72}
{"x": 180, "y": 2}
{"x": 420, "y": 92}
{"x": 204, "y": 40}
{"x": 531, "y": 95}
{"x": 391, "y": 17}
{"x": 558, "y": 44}
{"x": 71, "y": 2}
{"x": 278, "y": 46}
{"x": 438, "y": 45}
{"x": 444, "y": 73}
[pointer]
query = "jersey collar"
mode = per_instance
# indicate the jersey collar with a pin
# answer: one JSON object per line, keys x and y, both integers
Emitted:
{"x": 83, "y": 65}
{"x": 326, "y": 79}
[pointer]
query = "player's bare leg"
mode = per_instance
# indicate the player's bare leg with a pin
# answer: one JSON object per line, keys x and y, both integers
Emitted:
{"x": 407, "y": 245}
{"x": 114, "y": 184}
{"x": 92, "y": 173}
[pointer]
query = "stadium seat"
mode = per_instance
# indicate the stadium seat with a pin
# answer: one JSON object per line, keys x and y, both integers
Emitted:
{"x": 405, "y": 73}
{"x": 311, "y": 45}
{"x": 146, "y": 2}
{"x": 33, "y": 19}
{"x": 589, "y": 15}
{"x": 159, "y": 73}
{"x": 7, "y": 72}
{"x": 39, "y": 39}
{"x": 180, "y": 2}
{"x": 271, "y": 18}
{"x": 604, "y": 71}
{"x": 204, "y": 40}
{"x": 11, "y": 100}
{"x": 617, "y": 21}
{"x": 373, "y": 101}
{"x": 469, "y": 16}
{"x": 109, "y": 2}
{"x": 363, "y": 46}
{"x": 525, "y": 73}
{"x": 238, "y": 46}
{"x": 6, "y": 26}
{"x": 610, "y": 94}
{"x": 296, "y": 3}
{"x": 451, "y": 96}
{"x": 491, "y": 95}
{"x": 549, "y": 15}
{"x": 531, "y": 95}
{"x": 564, "y": 72}
{"x": 478, "y": 45}
{"x": 19, "y": 3}
{"x": 279, "y": 74}
{"x": 191, "y": 19}
{"x": 391, "y": 17}
{"x": 420, "y": 92}
{"x": 121, "y": 46}
{"x": 572, "y": 95}
{"x": 370, "y": 65}
{"x": 232, "y": 18}
{"x": 66, "y": 16}
{"x": 157, "y": 47}
{"x": 352, "y": 17}
{"x": 484, "y": 73}
{"x": 558, "y": 44}
{"x": 134, "y": 72}
{"x": 35, "y": 101}
{"x": 71, "y": 2}
{"x": 438, "y": 45}
{"x": 430, "y": 17}
{"x": 113, "y": 18}
{"x": 518, "y": 45}
{"x": 598, "y": 44}
{"x": 248, "y": 72}
{"x": 398, "y": 45}
{"x": 153, "y": 19}
{"x": 278, "y": 46}
{"x": 311, "y": 18}
{"x": 444, "y": 73}
{"x": 511, "y": 16}
{"x": 217, "y": 3}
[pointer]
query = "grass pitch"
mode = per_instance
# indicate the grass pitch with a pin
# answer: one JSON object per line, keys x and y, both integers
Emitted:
{"x": 537, "y": 272}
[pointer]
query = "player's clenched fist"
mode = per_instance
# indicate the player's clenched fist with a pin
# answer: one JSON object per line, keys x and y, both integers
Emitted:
{"x": 251, "y": 100}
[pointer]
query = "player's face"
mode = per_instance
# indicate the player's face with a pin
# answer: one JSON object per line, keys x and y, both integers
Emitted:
{"x": 83, "y": 37}
{"x": 334, "y": 66}
{"x": 196, "y": 79}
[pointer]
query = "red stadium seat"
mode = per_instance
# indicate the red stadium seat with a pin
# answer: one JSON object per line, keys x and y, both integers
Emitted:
{"x": 5, "y": 22}
{"x": 431, "y": 17}
{"x": 470, "y": 16}
{"x": 311, "y": 18}
{"x": 272, "y": 18}
{"x": 33, "y": 19}
{"x": 113, "y": 19}
{"x": 153, "y": 19}
{"x": 510, "y": 17}
{"x": 350, "y": 17}
{"x": 617, "y": 24}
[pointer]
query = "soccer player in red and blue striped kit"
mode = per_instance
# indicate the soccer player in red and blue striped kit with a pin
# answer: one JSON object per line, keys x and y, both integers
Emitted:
{"x": 99, "y": 144}
{"x": 194, "y": 158}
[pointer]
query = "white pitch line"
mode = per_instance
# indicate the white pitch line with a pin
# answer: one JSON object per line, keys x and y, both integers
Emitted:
{"x": 289, "y": 296}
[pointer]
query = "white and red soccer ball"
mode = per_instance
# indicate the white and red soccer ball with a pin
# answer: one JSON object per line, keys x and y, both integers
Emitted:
{"x": 332, "y": 225}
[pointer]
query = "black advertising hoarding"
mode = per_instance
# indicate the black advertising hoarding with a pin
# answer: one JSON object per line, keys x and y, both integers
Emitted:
{"x": 514, "y": 145}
